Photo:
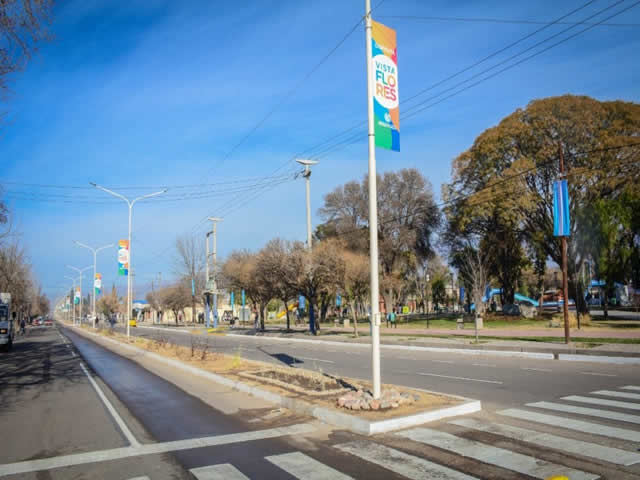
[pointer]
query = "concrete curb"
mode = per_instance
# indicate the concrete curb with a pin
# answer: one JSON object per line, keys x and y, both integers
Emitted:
{"x": 599, "y": 359}
{"x": 339, "y": 419}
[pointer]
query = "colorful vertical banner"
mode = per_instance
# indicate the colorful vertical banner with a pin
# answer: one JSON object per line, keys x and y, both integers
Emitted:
{"x": 386, "y": 112}
{"x": 561, "y": 221}
{"x": 244, "y": 299}
{"x": 232, "y": 298}
{"x": 123, "y": 257}
{"x": 76, "y": 296}
{"x": 97, "y": 284}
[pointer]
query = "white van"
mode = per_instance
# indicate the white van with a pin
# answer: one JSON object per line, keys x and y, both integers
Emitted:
{"x": 7, "y": 331}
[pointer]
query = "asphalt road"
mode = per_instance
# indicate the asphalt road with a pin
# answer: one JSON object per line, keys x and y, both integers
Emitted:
{"x": 497, "y": 381}
{"x": 76, "y": 410}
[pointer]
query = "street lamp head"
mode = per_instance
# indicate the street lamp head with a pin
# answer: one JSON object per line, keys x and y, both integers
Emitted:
{"x": 215, "y": 219}
{"x": 305, "y": 162}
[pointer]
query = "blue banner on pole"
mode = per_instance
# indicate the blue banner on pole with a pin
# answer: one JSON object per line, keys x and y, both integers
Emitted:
{"x": 232, "y": 299}
{"x": 461, "y": 294}
{"x": 243, "y": 298}
{"x": 338, "y": 300}
{"x": 561, "y": 222}
{"x": 193, "y": 287}
{"x": 301, "y": 301}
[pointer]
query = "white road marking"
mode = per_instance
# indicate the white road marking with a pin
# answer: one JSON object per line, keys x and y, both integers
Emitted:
{"x": 459, "y": 378}
{"x": 592, "y": 412}
{"x": 304, "y": 467}
{"x": 401, "y": 463}
{"x": 315, "y": 359}
{"x": 442, "y": 361}
{"x": 406, "y": 358}
{"x": 140, "y": 478}
{"x": 537, "y": 369}
{"x": 612, "y": 393}
{"x": 493, "y": 455}
{"x": 483, "y": 365}
{"x": 602, "y": 401}
{"x": 631, "y": 387}
{"x": 571, "y": 445}
{"x": 570, "y": 424}
{"x": 599, "y": 374}
{"x": 150, "y": 449}
{"x": 123, "y": 426}
{"x": 223, "y": 471}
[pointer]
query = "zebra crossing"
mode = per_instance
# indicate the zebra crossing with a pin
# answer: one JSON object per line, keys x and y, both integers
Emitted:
{"x": 593, "y": 442}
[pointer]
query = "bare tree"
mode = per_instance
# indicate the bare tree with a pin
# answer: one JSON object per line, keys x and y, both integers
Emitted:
{"x": 316, "y": 272}
{"x": 355, "y": 282}
{"x": 474, "y": 272}
{"x": 408, "y": 217}
{"x": 23, "y": 24}
{"x": 190, "y": 264}
{"x": 272, "y": 267}
{"x": 241, "y": 271}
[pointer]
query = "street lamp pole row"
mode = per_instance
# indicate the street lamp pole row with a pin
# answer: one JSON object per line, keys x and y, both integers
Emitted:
{"x": 80, "y": 270}
{"x": 130, "y": 204}
{"x": 95, "y": 252}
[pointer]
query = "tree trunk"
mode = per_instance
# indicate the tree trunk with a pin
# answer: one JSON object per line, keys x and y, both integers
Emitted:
{"x": 352, "y": 304}
{"x": 286, "y": 309}
{"x": 263, "y": 312}
{"x": 324, "y": 307}
{"x": 388, "y": 300}
{"x": 312, "y": 317}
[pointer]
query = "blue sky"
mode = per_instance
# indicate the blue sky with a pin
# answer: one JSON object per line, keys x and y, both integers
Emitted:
{"x": 147, "y": 93}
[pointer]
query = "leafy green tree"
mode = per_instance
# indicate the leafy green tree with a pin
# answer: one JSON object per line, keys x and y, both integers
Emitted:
{"x": 511, "y": 167}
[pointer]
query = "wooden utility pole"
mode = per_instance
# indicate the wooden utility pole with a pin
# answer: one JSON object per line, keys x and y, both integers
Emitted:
{"x": 565, "y": 282}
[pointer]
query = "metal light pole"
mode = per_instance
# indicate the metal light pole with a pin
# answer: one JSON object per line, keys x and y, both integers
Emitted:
{"x": 95, "y": 252}
{"x": 373, "y": 215}
{"x": 307, "y": 175}
{"x": 130, "y": 203}
{"x": 73, "y": 307}
{"x": 214, "y": 254}
{"x": 80, "y": 270}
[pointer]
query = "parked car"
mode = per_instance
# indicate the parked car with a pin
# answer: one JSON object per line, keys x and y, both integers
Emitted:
{"x": 48, "y": 322}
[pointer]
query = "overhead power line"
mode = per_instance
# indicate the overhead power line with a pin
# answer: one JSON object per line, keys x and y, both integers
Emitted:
{"x": 496, "y": 20}
{"x": 414, "y": 109}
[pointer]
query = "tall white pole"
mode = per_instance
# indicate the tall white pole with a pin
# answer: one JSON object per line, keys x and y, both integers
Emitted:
{"x": 129, "y": 274}
{"x": 373, "y": 216}
{"x": 215, "y": 280}
{"x": 206, "y": 276}
{"x": 307, "y": 174}
{"x": 214, "y": 254}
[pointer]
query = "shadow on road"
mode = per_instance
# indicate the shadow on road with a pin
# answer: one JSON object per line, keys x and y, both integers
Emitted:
{"x": 38, "y": 359}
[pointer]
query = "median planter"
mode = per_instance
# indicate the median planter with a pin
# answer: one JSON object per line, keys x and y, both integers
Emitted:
{"x": 340, "y": 401}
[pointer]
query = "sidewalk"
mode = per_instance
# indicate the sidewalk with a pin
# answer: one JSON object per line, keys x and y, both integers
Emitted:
{"x": 459, "y": 339}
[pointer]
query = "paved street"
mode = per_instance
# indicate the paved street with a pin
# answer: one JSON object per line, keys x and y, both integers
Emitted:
{"x": 120, "y": 421}
{"x": 498, "y": 381}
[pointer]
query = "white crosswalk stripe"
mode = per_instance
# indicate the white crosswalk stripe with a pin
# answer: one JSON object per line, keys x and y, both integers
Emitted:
{"x": 602, "y": 401}
{"x": 570, "y": 424}
{"x": 592, "y": 412}
{"x": 493, "y": 455}
{"x": 222, "y": 471}
{"x": 571, "y": 445}
{"x": 611, "y": 393}
{"x": 401, "y": 463}
{"x": 631, "y": 387}
{"x": 304, "y": 467}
